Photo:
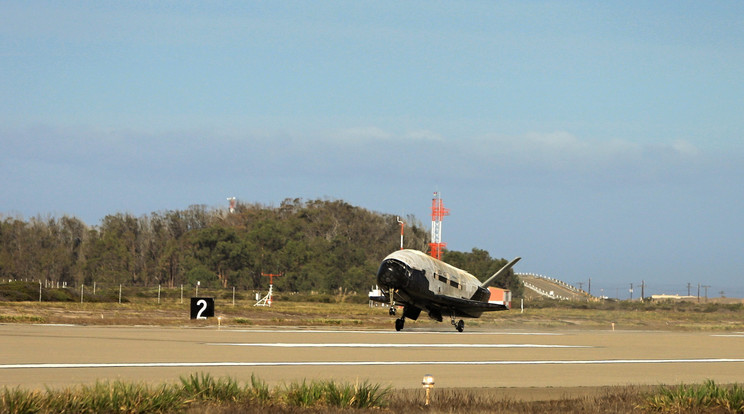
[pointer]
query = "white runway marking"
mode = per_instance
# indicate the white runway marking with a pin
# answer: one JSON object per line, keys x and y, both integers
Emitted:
{"x": 391, "y": 332}
{"x": 361, "y": 345}
{"x": 367, "y": 363}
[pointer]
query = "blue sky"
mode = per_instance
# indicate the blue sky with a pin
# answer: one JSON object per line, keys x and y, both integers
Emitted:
{"x": 597, "y": 141}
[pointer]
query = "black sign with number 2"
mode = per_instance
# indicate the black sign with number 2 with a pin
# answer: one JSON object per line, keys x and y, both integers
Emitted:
{"x": 202, "y": 308}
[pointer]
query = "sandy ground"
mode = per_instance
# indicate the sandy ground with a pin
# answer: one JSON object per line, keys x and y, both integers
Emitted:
{"x": 525, "y": 365}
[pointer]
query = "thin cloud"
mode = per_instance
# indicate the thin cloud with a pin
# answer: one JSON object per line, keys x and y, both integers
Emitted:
{"x": 566, "y": 150}
{"x": 553, "y": 149}
{"x": 361, "y": 134}
{"x": 423, "y": 135}
{"x": 685, "y": 148}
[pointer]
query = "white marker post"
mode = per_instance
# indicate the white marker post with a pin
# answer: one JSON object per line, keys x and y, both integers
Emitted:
{"x": 428, "y": 384}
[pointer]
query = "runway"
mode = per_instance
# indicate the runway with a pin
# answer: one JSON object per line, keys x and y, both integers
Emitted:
{"x": 36, "y": 356}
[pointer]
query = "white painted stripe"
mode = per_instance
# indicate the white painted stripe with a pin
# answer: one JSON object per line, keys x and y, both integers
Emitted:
{"x": 389, "y": 332}
{"x": 730, "y": 336}
{"x": 373, "y": 332}
{"x": 367, "y": 363}
{"x": 363, "y": 345}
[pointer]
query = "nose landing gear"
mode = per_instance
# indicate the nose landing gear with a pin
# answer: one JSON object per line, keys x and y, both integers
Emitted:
{"x": 391, "y": 311}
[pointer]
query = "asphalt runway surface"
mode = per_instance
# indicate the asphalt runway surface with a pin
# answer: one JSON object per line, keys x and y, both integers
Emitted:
{"x": 39, "y": 356}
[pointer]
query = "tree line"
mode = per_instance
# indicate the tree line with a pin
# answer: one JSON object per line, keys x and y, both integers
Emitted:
{"x": 317, "y": 245}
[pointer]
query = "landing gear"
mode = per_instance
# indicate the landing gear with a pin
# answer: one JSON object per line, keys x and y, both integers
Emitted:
{"x": 460, "y": 326}
{"x": 399, "y": 324}
{"x": 392, "y": 311}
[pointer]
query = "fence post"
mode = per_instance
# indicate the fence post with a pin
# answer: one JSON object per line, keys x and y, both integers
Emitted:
{"x": 119, "y": 293}
{"x": 158, "y": 294}
{"x": 82, "y": 287}
{"x": 233, "y": 295}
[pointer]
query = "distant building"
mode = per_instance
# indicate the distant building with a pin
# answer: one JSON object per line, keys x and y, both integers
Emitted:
{"x": 673, "y": 297}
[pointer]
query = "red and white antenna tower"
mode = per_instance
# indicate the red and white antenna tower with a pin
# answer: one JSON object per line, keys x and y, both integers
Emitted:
{"x": 437, "y": 214}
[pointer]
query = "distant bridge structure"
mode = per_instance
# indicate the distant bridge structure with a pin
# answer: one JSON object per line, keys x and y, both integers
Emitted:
{"x": 548, "y": 287}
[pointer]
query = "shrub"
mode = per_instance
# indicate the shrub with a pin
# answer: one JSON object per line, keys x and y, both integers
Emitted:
{"x": 684, "y": 398}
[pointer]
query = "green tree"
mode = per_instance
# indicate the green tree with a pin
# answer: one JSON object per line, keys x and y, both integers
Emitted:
{"x": 220, "y": 250}
{"x": 320, "y": 245}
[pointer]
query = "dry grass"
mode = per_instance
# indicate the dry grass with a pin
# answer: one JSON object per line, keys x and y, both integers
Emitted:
{"x": 610, "y": 400}
{"x": 656, "y": 319}
{"x": 171, "y": 312}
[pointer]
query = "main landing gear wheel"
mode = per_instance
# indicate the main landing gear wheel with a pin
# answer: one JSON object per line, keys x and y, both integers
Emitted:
{"x": 399, "y": 324}
{"x": 460, "y": 326}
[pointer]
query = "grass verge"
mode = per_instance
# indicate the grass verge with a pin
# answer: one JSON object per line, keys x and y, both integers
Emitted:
{"x": 193, "y": 392}
{"x": 202, "y": 393}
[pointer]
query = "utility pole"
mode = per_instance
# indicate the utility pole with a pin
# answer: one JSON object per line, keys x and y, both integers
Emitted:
{"x": 631, "y": 292}
{"x": 698, "y": 292}
{"x": 643, "y": 289}
{"x": 688, "y": 288}
{"x": 706, "y": 292}
{"x": 590, "y": 287}
{"x": 581, "y": 285}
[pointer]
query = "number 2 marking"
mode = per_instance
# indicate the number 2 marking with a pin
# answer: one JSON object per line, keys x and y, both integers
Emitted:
{"x": 203, "y": 304}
